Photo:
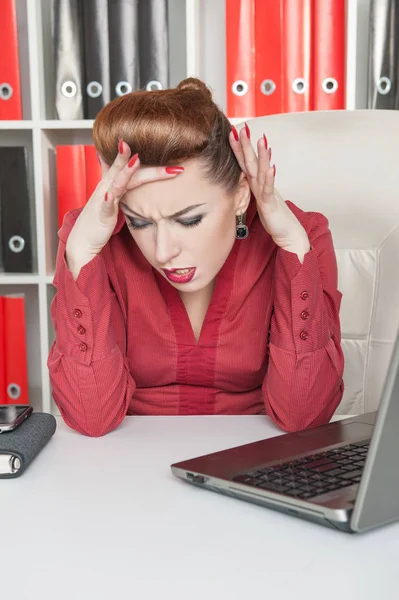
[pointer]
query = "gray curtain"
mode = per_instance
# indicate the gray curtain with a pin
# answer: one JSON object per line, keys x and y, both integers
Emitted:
{"x": 383, "y": 58}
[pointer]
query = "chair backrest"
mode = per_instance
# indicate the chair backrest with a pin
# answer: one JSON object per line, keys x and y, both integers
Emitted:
{"x": 345, "y": 164}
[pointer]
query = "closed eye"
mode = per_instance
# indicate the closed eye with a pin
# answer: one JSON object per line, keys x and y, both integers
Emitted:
{"x": 135, "y": 224}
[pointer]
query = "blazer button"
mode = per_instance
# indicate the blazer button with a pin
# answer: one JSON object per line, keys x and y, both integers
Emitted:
{"x": 83, "y": 347}
{"x": 304, "y": 295}
{"x": 77, "y": 313}
{"x": 81, "y": 330}
{"x": 304, "y": 315}
{"x": 304, "y": 335}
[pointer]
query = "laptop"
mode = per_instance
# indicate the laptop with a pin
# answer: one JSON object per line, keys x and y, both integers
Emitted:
{"x": 344, "y": 475}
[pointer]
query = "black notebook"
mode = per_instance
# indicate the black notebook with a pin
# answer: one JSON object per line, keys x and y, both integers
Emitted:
{"x": 20, "y": 447}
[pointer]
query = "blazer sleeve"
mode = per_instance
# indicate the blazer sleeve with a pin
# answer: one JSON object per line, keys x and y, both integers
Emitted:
{"x": 89, "y": 373}
{"x": 303, "y": 384}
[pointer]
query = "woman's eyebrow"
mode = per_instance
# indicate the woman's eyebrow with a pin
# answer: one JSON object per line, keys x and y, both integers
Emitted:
{"x": 177, "y": 214}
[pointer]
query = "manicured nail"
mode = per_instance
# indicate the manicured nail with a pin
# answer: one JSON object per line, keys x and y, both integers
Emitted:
{"x": 106, "y": 197}
{"x": 98, "y": 157}
{"x": 174, "y": 170}
{"x": 120, "y": 146}
{"x": 248, "y": 132}
{"x": 274, "y": 170}
{"x": 270, "y": 154}
{"x": 235, "y": 133}
{"x": 265, "y": 140}
{"x": 132, "y": 160}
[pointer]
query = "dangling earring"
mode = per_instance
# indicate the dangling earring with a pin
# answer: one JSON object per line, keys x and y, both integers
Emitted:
{"x": 241, "y": 229}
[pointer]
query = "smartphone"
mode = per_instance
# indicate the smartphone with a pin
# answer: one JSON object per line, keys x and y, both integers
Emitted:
{"x": 12, "y": 415}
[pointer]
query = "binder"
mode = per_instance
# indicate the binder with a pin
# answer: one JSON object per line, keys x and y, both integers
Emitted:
{"x": 240, "y": 58}
{"x": 92, "y": 170}
{"x": 97, "y": 83}
{"x": 153, "y": 45}
{"x": 16, "y": 363}
{"x": 10, "y": 87}
{"x": 3, "y": 386}
{"x": 268, "y": 57}
{"x": 297, "y": 44}
{"x": 71, "y": 179}
{"x": 123, "y": 46}
{"x": 78, "y": 173}
{"x": 68, "y": 59}
{"x": 15, "y": 208}
{"x": 383, "y": 55}
{"x": 328, "y": 84}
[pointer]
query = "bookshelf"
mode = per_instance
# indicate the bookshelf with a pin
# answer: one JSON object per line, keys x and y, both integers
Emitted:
{"x": 197, "y": 27}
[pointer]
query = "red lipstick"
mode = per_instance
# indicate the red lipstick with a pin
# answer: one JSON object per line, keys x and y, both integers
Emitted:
{"x": 180, "y": 275}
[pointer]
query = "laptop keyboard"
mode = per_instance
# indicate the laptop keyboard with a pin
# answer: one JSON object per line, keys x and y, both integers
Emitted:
{"x": 312, "y": 475}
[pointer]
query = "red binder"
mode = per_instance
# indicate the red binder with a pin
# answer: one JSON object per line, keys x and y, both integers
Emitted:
{"x": 3, "y": 385}
{"x": 328, "y": 85}
{"x": 93, "y": 170}
{"x": 10, "y": 87}
{"x": 268, "y": 57}
{"x": 71, "y": 179}
{"x": 297, "y": 45}
{"x": 16, "y": 364}
{"x": 240, "y": 58}
{"x": 78, "y": 172}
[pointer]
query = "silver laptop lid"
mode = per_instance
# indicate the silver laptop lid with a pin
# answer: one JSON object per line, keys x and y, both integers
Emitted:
{"x": 377, "y": 499}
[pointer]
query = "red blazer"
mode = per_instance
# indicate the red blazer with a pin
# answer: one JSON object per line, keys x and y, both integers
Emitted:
{"x": 270, "y": 341}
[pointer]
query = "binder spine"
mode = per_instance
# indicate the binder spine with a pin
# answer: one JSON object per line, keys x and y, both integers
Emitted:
{"x": 10, "y": 87}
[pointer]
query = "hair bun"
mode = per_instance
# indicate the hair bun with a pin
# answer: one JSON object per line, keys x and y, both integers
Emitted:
{"x": 193, "y": 83}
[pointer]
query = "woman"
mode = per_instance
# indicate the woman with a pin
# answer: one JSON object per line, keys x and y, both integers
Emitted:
{"x": 186, "y": 285}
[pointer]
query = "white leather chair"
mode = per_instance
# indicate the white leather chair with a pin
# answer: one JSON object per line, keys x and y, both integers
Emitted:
{"x": 345, "y": 164}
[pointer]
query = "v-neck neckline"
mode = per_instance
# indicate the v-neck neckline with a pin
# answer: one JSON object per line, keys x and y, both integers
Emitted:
{"x": 209, "y": 333}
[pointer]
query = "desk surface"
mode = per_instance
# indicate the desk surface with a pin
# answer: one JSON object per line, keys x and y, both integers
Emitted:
{"x": 104, "y": 518}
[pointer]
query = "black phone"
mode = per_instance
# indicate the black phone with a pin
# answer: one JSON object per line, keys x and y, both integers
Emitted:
{"x": 12, "y": 415}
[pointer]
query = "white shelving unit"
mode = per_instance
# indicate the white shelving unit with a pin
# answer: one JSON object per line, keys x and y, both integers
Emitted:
{"x": 197, "y": 34}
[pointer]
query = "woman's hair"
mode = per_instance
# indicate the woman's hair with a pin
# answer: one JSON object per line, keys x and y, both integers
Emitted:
{"x": 167, "y": 127}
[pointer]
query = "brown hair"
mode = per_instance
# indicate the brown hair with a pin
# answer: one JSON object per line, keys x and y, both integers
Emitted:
{"x": 168, "y": 127}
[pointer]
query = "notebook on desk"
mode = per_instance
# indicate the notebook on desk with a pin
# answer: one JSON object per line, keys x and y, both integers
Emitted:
{"x": 343, "y": 475}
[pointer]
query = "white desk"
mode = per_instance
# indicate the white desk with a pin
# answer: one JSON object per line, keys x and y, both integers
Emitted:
{"x": 104, "y": 518}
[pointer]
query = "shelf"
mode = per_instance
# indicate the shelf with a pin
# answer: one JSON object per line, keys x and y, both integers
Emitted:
{"x": 18, "y": 279}
{"x": 78, "y": 124}
{"x": 16, "y": 125}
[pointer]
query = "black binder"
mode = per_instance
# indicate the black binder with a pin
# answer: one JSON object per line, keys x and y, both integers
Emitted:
{"x": 96, "y": 56}
{"x": 383, "y": 85}
{"x": 123, "y": 46}
{"x": 15, "y": 210}
{"x": 154, "y": 44}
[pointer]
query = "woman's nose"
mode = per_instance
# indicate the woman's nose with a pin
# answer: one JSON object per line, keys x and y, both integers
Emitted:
{"x": 166, "y": 248}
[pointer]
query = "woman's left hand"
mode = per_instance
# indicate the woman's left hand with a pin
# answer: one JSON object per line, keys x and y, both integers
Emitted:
{"x": 278, "y": 220}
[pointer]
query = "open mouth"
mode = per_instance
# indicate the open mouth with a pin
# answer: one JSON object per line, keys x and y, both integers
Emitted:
{"x": 180, "y": 275}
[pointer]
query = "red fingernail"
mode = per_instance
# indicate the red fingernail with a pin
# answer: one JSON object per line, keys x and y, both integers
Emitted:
{"x": 235, "y": 133}
{"x": 132, "y": 160}
{"x": 174, "y": 170}
{"x": 106, "y": 197}
{"x": 274, "y": 170}
{"x": 120, "y": 146}
{"x": 247, "y": 130}
{"x": 270, "y": 154}
{"x": 265, "y": 139}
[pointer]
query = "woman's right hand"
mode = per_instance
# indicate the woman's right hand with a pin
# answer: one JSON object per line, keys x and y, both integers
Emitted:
{"x": 96, "y": 223}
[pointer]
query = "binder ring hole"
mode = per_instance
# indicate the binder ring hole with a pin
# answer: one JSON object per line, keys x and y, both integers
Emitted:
{"x": 16, "y": 243}
{"x": 6, "y": 91}
{"x": 69, "y": 89}
{"x": 13, "y": 391}
{"x": 267, "y": 87}
{"x": 299, "y": 85}
{"x": 329, "y": 85}
{"x": 239, "y": 88}
{"x": 94, "y": 89}
{"x": 384, "y": 85}
{"x": 153, "y": 85}
{"x": 122, "y": 88}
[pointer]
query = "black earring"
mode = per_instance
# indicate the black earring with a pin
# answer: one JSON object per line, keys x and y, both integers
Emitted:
{"x": 241, "y": 229}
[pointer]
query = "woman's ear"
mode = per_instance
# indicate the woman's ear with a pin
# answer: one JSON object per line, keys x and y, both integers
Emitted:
{"x": 242, "y": 195}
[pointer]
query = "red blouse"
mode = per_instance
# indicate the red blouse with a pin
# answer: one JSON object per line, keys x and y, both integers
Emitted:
{"x": 270, "y": 341}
